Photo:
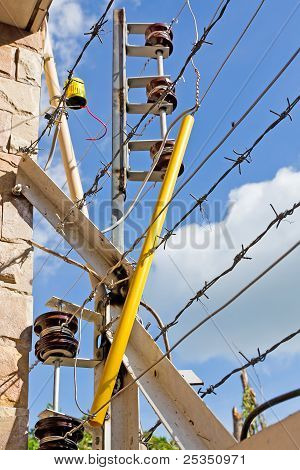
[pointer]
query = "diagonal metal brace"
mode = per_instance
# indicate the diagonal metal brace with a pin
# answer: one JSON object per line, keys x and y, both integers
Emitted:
{"x": 69, "y": 221}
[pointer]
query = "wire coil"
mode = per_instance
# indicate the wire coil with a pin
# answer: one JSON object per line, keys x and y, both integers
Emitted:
{"x": 51, "y": 431}
{"x": 56, "y": 331}
{"x": 165, "y": 156}
{"x": 159, "y": 34}
{"x": 160, "y": 87}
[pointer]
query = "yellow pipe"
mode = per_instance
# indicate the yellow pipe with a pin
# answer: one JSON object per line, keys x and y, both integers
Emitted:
{"x": 137, "y": 285}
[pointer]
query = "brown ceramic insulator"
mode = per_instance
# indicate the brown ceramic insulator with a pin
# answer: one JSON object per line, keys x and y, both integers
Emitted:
{"x": 159, "y": 34}
{"x": 159, "y": 87}
{"x": 53, "y": 427}
{"x": 164, "y": 159}
{"x": 51, "y": 320}
{"x": 63, "y": 444}
{"x": 56, "y": 344}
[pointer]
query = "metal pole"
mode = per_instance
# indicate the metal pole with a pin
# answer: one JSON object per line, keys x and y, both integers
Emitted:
{"x": 56, "y": 385}
{"x": 119, "y": 151}
{"x": 162, "y": 112}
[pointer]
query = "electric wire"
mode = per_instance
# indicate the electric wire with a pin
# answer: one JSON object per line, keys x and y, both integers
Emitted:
{"x": 94, "y": 32}
{"x": 195, "y": 49}
{"x": 160, "y": 324}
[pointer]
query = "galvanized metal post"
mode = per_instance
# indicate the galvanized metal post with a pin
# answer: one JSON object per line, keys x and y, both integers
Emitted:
{"x": 123, "y": 425}
{"x": 162, "y": 112}
{"x": 56, "y": 380}
{"x": 119, "y": 151}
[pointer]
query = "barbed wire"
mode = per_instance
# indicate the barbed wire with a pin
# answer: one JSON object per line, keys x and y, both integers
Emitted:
{"x": 241, "y": 158}
{"x": 237, "y": 259}
{"x": 191, "y": 331}
{"x": 250, "y": 362}
{"x": 33, "y": 365}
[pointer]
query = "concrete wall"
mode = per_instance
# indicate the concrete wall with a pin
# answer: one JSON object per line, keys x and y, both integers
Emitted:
{"x": 20, "y": 80}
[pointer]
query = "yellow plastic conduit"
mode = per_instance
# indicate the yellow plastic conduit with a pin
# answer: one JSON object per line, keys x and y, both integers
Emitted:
{"x": 139, "y": 278}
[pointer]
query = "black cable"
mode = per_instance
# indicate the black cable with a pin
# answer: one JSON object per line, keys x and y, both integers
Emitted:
{"x": 264, "y": 406}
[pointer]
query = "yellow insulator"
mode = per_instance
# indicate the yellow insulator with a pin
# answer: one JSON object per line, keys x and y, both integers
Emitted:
{"x": 75, "y": 94}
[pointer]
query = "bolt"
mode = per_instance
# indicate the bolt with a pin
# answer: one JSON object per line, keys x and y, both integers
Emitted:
{"x": 17, "y": 190}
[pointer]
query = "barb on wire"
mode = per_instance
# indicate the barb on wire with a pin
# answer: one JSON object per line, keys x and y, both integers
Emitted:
{"x": 249, "y": 363}
{"x": 237, "y": 259}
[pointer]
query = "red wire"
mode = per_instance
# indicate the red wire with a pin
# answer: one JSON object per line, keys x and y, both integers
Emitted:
{"x": 97, "y": 119}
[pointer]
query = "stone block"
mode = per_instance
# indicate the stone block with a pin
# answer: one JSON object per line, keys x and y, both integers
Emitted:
{"x": 16, "y": 260}
{"x": 29, "y": 67}
{"x": 10, "y": 35}
{"x": 22, "y": 133}
{"x": 5, "y": 125}
{"x": 17, "y": 215}
{"x": 7, "y": 62}
{"x": 8, "y": 164}
{"x": 16, "y": 318}
{"x": 14, "y": 367}
{"x": 19, "y": 98}
{"x": 13, "y": 428}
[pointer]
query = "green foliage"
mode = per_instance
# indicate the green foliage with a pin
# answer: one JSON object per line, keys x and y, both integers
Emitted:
{"x": 33, "y": 443}
{"x": 86, "y": 442}
{"x": 161, "y": 443}
{"x": 248, "y": 405}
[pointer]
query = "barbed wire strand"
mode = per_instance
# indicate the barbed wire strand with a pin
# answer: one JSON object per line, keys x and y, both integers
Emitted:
{"x": 251, "y": 362}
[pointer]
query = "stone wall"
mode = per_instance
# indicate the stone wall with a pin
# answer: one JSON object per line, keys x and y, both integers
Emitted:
{"x": 20, "y": 81}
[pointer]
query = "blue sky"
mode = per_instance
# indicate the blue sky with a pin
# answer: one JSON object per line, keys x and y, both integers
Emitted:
{"x": 241, "y": 202}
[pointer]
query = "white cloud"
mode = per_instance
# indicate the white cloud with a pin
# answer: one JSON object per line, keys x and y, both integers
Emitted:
{"x": 269, "y": 310}
{"x": 68, "y": 22}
